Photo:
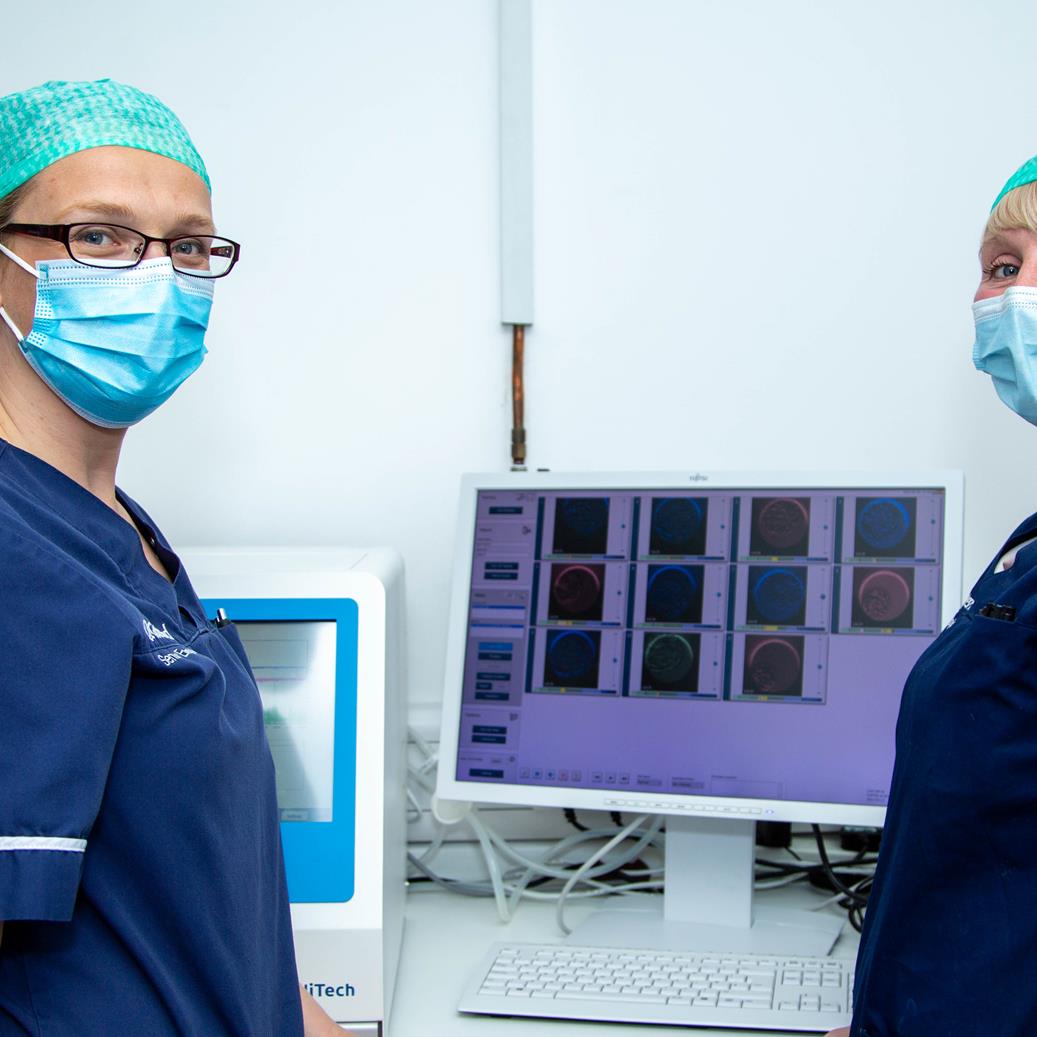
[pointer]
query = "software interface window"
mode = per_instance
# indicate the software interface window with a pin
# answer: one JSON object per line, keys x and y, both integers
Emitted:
{"x": 294, "y": 666}
{"x": 682, "y": 631}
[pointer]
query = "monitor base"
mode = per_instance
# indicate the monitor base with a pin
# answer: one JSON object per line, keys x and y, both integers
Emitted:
{"x": 708, "y": 903}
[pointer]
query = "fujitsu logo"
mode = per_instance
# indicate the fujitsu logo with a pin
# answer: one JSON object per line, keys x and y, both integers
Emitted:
{"x": 698, "y": 477}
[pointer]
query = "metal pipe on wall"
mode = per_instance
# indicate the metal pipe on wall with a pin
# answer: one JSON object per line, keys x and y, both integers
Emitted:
{"x": 516, "y": 182}
{"x": 518, "y": 396}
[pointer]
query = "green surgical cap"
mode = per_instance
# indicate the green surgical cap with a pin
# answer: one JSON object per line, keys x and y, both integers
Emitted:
{"x": 48, "y": 122}
{"x": 1025, "y": 174}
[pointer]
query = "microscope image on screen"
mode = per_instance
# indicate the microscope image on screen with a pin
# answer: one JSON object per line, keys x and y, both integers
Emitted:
{"x": 678, "y": 526}
{"x": 780, "y": 526}
{"x": 576, "y": 591}
{"x": 674, "y": 594}
{"x": 885, "y": 527}
{"x": 777, "y": 595}
{"x": 671, "y": 662}
{"x": 571, "y": 659}
{"x": 883, "y": 597}
{"x": 581, "y": 526}
{"x": 773, "y": 665}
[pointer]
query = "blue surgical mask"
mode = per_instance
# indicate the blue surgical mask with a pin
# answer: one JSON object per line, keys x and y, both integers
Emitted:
{"x": 114, "y": 344}
{"x": 1006, "y": 347}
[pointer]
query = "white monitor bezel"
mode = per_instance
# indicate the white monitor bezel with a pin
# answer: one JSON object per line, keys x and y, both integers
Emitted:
{"x": 447, "y": 785}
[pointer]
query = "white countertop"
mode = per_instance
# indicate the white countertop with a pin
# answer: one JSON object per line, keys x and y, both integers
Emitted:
{"x": 446, "y": 935}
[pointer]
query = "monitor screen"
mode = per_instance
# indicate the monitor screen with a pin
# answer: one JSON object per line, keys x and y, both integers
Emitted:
{"x": 294, "y": 665}
{"x": 739, "y": 642}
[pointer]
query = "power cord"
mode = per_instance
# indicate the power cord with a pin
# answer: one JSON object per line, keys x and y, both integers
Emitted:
{"x": 856, "y": 901}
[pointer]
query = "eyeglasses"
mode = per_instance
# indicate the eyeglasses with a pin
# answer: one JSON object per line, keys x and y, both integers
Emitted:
{"x": 111, "y": 246}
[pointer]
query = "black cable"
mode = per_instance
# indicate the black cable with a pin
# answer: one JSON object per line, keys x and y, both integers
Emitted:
{"x": 787, "y": 868}
{"x": 470, "y": 889}
{"x": 855, "y": 899}
{"x": 617, "y": 818}
{"x": 570, "y": 816}
{"x": 856, "y": 916}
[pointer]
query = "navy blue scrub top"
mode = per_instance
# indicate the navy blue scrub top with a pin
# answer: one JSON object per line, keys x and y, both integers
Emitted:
{"x": 141, "y": 878}
{"x": 949, "y": 947}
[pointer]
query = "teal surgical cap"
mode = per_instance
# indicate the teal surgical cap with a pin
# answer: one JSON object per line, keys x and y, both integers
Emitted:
{"x": 1025, "y": 174}
{"x": 48, "y": 122}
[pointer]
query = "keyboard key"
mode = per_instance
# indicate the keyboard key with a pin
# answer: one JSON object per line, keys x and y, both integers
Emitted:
{"x": 638, "y": 999}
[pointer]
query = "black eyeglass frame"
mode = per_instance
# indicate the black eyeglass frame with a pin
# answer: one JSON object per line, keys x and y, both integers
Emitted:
{"x": 62, "y": 232}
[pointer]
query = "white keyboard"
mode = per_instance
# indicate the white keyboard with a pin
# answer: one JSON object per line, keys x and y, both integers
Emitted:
{"x": 750, "y": 991}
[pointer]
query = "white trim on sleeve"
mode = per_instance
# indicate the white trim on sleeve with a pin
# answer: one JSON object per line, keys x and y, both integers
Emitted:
{"x": 41, "y": 842}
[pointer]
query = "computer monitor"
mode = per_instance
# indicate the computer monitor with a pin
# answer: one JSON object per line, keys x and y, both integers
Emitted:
{"x": 721, "y": 648}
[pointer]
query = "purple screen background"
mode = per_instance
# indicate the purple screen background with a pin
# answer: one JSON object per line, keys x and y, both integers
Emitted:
{"x": 761, "y": 667}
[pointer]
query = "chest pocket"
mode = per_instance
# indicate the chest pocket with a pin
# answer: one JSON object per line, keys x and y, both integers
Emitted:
{"x": 1010, "y": 595}
{"x": 969, "y": 738}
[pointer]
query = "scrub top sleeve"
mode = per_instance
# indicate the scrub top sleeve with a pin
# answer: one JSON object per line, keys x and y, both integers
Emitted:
{"x": 65, "y": 664}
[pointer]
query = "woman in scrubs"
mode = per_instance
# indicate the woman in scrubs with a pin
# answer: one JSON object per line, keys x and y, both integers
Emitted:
{"x": 142, "y": 887}
{"x": 949, "y": 944}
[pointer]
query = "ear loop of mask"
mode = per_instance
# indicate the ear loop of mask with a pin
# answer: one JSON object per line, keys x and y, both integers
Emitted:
{"x": 4, "y": 315}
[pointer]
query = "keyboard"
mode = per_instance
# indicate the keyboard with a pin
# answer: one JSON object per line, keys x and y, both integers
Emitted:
{"x": 750, "y": 991}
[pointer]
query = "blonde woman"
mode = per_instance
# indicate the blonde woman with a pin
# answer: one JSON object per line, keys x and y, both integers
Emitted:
{"x": 950, "y": 942}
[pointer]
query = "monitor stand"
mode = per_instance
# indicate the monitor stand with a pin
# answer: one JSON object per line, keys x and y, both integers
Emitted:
{"x": 708, "y": 901}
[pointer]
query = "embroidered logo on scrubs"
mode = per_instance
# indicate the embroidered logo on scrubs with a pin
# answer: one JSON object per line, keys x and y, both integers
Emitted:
{"x": 157, "y": 633}
{"x": 965, "y": 605}
{"x": 162, "y": 634}
{"x": 176, "y": 654}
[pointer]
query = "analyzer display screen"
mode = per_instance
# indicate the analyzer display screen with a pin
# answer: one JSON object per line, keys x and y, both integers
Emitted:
{"x": 294, "y": 664}
{"x": 738, "y": 642}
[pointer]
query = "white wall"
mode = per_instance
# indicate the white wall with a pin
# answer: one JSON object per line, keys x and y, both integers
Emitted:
{"x": 756, "y": 234}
